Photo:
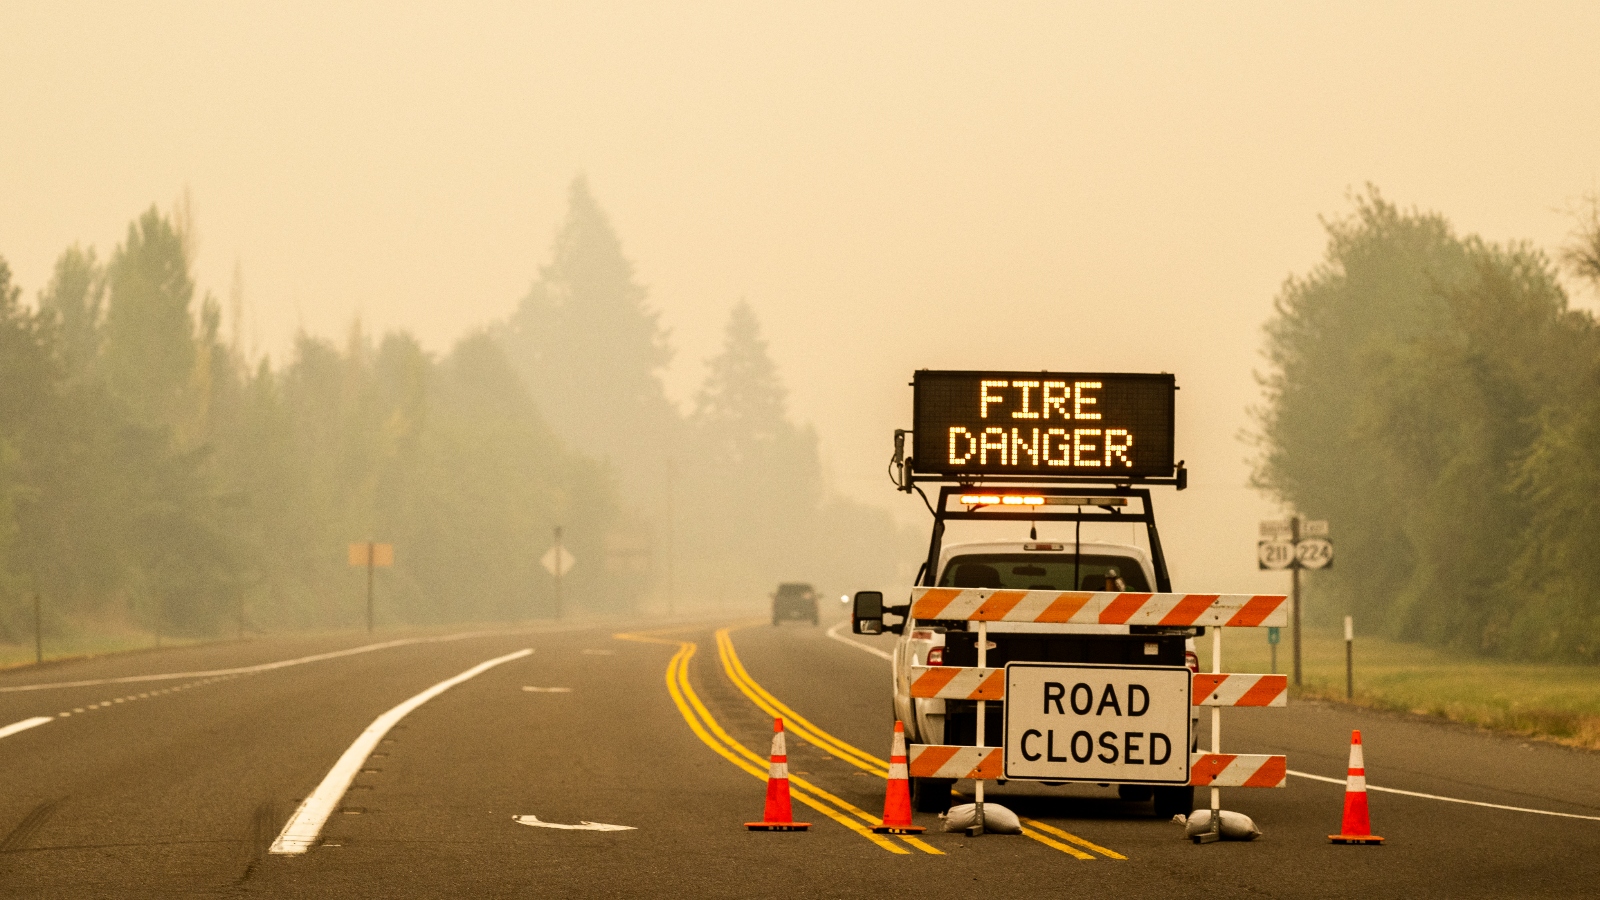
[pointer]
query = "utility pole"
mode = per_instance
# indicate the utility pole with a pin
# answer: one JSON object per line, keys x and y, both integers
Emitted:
{"x": 559, "y": 567}
{"x": 1294, "y": 574}
{"x": 671, "y": 589}
{"x": 371, "y": 564}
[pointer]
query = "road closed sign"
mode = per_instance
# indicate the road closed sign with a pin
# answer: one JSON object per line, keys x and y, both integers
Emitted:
{"x": 1097, "y": 723}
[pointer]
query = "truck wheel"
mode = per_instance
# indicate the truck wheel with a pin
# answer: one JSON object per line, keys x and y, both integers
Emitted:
{"x": 1174, "y": 801}
{"x": 931, "y": 795}
{"x": 1134, "y": 793}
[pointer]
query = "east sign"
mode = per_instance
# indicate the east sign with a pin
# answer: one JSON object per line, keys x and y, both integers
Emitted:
{"x": 1043, "y": 424}
{"x": 1126, "y": 724}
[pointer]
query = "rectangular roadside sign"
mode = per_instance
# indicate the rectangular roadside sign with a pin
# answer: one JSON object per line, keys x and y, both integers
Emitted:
{"x": 1097, "y": 723}
{"x": 367, "y": 553}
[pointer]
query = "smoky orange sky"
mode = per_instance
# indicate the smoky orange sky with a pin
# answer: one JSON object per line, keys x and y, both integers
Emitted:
{"x": 891, "y": 186}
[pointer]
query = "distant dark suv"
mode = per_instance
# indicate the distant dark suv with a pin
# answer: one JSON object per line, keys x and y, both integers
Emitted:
{"x": 794, "y": 600}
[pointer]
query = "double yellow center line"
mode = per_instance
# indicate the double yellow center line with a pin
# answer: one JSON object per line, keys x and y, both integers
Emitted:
{"x": 707, "y": 729}
{"x": 809, "y": 732}
{"x": 712, "y": 734}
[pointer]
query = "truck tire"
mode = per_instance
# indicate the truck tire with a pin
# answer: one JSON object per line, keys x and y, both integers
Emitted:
{"x": 1174, "y": 801}
{"x": 931, "y": 795}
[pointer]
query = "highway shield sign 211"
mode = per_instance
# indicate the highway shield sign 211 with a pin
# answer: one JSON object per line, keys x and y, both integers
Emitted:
{"x": 1097, "y": 723}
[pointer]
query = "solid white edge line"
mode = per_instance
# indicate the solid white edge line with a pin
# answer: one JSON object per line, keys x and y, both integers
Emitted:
{"x": 24, "y": 725}
{"x": 1388, "y": 790}
{"x": 245, "y": 670}
{"x": 306, "y": 823}
{"x": 834, "y": 633}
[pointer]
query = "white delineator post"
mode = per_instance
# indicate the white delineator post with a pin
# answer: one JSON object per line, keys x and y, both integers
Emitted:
{"x": 983, "y": 662}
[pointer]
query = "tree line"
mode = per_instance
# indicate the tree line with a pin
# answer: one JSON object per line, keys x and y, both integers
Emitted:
{"x": 151, "y": 477}
{"x": 1435, "y": 397}
{"x": 155, "y": 476}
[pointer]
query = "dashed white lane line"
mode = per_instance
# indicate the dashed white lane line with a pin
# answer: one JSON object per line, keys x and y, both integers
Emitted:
{"x": 244, "y": 670}
{"x": 1388, "y": 790}
{"x": 834, "y": 633}
{"x": 103, "y": 704}
{"x": 306, "y": 824}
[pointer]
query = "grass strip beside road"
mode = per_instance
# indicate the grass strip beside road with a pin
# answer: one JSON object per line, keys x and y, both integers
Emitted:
{"x": 710, "y": 733}
{"x": 1558, "y": 703}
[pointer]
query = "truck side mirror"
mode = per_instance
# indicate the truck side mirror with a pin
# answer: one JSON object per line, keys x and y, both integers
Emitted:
{"x": 866, "y": 617}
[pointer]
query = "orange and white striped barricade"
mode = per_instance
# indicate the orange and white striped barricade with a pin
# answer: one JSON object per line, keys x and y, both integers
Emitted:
{"x": 1237, "y": 770}
{"x": 948, "y": 761}
{"x": 1093, "y": 608}
{"x": 957, "y": 683}
{"x": 1215, "y": 689}
{"x": 1240, "y": 690}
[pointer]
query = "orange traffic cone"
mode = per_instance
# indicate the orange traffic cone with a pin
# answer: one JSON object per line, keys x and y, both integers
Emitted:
{"x": 778, "y": 816}
{"x": 1357, "y": 826}
{"x": 897, "y": 802}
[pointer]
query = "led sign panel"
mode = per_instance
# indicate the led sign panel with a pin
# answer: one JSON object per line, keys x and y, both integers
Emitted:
{"x": 1043, "y": 424}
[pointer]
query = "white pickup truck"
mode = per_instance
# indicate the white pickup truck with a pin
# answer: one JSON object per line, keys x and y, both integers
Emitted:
{"x": 1031, "y": 565}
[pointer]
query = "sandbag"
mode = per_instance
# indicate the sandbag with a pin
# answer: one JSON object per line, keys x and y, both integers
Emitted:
{"x": 996, "y": 818}
{"x": 1235, "y": 826}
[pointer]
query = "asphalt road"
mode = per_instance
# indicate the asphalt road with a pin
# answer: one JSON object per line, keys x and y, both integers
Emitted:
{"x": 180, "y": 789}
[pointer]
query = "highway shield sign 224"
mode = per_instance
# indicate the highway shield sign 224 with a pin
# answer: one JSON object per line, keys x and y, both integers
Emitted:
{"x": 1097, "y": 723}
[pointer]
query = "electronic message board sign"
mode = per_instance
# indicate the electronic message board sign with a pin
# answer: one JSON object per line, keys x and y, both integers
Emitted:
{"x": 1043, "y": 424}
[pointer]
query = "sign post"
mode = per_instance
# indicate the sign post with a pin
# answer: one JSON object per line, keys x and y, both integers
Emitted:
{"x": 1294, "y": 544}
{"x": 1294, "y": 593}
{"x": 372, "y": 555}
{"x": 558, "y": 562}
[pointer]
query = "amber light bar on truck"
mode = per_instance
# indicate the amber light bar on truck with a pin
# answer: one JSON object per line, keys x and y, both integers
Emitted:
{"x": 1036, "y": 500}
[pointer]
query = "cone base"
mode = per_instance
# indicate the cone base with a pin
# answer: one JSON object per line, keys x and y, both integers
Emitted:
{"x": 899, "y": 829}
{"x": 777, "y": 826}
{"x": 1355, "y": 839}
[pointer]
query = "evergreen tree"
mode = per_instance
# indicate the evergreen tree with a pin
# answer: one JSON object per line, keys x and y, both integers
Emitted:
{"x": 753, "y": 477}
{"x": 149, "y": 354}
{"x": 740, "y": 409}
{"x": 592, "y": 349}
{"x": 75, "y": 298}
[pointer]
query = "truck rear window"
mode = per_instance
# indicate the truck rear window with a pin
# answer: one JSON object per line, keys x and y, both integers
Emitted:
{"x": 1045, "y": 572}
